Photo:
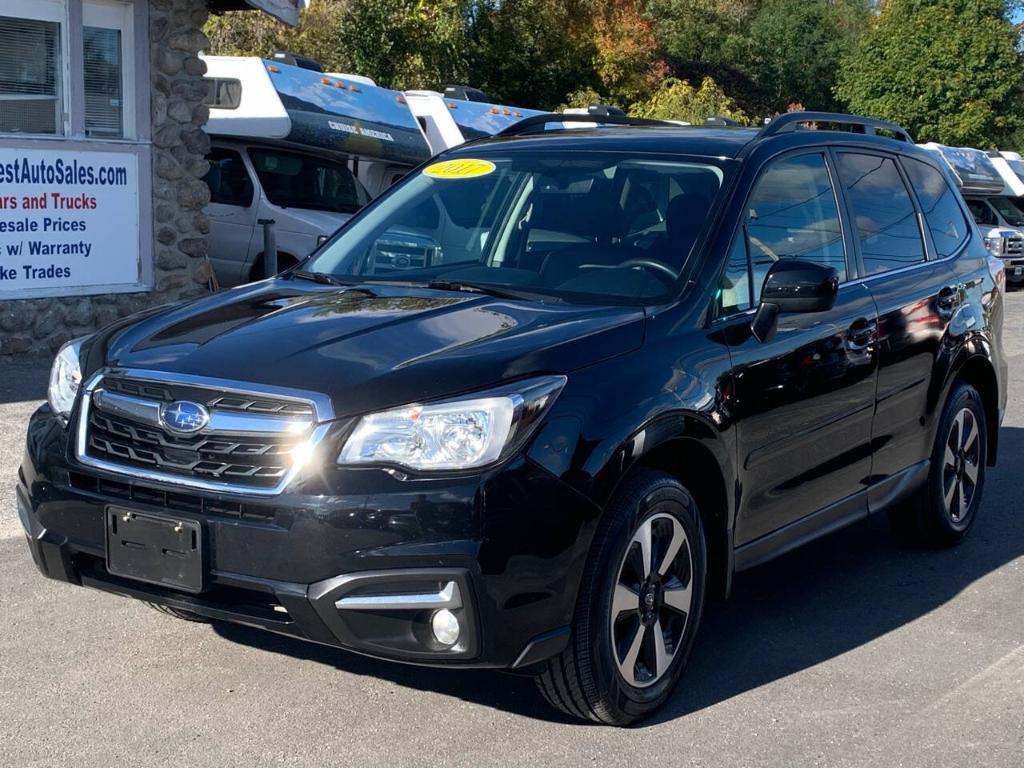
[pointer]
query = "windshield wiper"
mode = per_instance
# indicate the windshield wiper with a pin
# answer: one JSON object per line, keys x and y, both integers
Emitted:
{"x": 319, "y": 277}
{"x": 490, "y": 290}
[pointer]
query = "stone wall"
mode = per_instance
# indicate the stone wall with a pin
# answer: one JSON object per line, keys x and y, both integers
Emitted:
{"x": 40, "y": 326}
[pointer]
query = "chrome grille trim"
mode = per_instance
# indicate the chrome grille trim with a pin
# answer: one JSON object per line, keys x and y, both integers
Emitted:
{"x": 234, "y": 430}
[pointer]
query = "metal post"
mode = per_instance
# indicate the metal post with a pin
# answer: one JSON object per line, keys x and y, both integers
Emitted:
{"x": 269, "y": 248}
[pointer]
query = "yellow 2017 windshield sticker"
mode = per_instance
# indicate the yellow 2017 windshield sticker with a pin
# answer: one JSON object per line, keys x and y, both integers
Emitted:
{"x": 468, "y": 168}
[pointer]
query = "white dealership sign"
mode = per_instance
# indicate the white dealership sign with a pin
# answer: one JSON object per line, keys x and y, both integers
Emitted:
{"x": 69, "y": 219}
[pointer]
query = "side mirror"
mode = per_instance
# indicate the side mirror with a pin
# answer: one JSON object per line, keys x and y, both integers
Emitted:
{"x": 793, "y": 286}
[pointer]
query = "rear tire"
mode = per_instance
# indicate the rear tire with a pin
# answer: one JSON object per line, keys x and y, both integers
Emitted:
{"x": 639, "y": 606}
{"x": 944, "y": 510}
{"x": 178, "y": 613}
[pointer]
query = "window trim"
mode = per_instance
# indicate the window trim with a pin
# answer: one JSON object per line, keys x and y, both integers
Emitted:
{"x": 852, "y": 275}
{"x": 926, "y": 246}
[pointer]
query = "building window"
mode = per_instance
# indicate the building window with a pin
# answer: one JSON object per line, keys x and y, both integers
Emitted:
{"x": 31, "y": 92}
{"x": 106, "y": 44}
{"x": 36, "y": 77}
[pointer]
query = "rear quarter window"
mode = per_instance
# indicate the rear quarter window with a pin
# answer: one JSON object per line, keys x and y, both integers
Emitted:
{"x": 942, "y": 211}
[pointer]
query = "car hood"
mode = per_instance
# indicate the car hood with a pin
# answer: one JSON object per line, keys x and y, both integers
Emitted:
{"x": 324, "y": 222}
{"x": 371, "y": 347}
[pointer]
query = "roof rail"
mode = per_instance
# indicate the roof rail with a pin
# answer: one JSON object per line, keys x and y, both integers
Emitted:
{"x": 790, "y": 121}
{"x": 537, "y": 122}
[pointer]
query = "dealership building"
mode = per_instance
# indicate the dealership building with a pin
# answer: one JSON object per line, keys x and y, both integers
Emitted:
{"x": 102, "y": 156}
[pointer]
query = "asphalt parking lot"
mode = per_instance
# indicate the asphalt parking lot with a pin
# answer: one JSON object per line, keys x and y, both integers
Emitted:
{"x": 850, "y": 652}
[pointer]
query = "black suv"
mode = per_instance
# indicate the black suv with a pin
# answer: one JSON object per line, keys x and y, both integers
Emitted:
{"x": 531, "y": 407}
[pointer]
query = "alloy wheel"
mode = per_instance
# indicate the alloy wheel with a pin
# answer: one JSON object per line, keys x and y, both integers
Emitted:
{"x": 652, "y": 600}
{"x": 961, "y": 465}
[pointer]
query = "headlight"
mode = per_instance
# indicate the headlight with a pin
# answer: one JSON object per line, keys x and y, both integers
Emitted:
{"x": 994, "y": 245}
{"x": 65, "y": 378}
{"x": 455, "y": 434}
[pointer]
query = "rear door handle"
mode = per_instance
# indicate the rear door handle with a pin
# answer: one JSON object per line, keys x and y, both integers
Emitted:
{"x": 949, "y": 297}
{"x": 861, "y": 334}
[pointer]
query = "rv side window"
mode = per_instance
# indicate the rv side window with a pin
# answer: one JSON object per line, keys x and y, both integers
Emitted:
{"x": 982, "y": 213}
{"x": 228, "y": 179}
{"x": 224, "y": 93}
{"x": 297, "y": 180}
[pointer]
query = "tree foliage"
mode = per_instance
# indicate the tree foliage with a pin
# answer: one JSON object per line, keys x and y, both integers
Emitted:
{"x": 794, "y": 49}
{"x": 678, "y": 100}
{"x": 947, "y": 70}
{"x": 243, "y": 33}
{"x": 532, "y": 52}
{"x": 406, "y": 44}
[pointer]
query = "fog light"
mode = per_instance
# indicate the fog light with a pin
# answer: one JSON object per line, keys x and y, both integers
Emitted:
{"x": 445, "y": 626}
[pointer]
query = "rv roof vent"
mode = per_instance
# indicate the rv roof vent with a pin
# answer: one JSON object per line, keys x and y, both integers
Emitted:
{"x": 716, "y": 121}
{"x": 296, "y": 60}
{"x": 465, "y": 93}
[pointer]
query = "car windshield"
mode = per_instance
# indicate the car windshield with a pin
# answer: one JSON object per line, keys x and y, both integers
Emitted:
{"x": 1009, "y": 210}
{"x": 295, "y": 180}
{"x": 585, "y": 227}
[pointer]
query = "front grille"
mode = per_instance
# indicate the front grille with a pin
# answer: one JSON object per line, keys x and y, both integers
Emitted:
{"x": 177, "y": 502}
{"x": 249, "y": 442}
{"x": 394, "y": 254}
{"x": 1014, "y": 247}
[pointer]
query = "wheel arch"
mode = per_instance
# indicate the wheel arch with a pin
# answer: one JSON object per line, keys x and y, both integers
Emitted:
{"x": 256, "y": 270}
{"x": 695, "y": 453}
{"x": 978, "y": 371}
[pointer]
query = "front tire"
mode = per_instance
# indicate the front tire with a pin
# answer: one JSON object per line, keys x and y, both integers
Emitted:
{"x": 947, "y": 507}
{"x": 639, "y": 606}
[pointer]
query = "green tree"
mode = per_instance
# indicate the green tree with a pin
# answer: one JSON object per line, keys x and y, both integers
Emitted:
{"x": 794, "y": 49}
{"x": 244, "y": 33}
{"x": 532, "y": 52}
{"x": 947, "y": 70}
{"x": 406, "y": 44}
{"x": 678, "y": 100}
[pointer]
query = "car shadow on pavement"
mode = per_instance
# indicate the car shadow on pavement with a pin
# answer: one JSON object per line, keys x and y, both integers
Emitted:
{"x": 804, "y": 608}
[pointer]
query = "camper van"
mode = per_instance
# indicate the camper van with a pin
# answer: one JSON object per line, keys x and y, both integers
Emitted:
{"x": 305, "y": 150}
{"x": 299, "y": 148}
{"x": 991, "y": 188}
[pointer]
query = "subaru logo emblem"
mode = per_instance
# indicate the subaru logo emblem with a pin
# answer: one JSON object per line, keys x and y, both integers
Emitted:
{"x": 184, "y": 417}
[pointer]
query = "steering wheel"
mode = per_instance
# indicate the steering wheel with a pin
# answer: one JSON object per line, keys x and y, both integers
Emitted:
{"x": 651, "y": 264}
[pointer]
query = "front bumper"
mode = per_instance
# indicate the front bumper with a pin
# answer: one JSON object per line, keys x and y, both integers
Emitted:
{"x": 512, "y": 543}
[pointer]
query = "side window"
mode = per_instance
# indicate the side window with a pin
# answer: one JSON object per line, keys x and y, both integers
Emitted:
{"x": 941, "y": 211}
{"x": 883, "y": 212}
{"x": 982, "y": 213}
{"x": 228, "y": 179}
{"x": 791, "y": 214}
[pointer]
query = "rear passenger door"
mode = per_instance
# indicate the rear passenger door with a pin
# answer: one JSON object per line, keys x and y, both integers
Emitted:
{"x": 804, "y": 399}
{"x": 903, "y": 244}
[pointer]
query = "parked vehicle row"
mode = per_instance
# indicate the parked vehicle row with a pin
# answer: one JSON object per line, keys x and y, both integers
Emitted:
{"x": 634, "y": 360}
{"x": 993, "y": 185}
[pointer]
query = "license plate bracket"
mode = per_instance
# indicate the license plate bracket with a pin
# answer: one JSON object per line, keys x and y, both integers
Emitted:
{"x": 157, "y": 550}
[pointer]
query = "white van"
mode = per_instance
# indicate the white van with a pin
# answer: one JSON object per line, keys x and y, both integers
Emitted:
{"x": 307, "y": 149}
{"x": 298, "y": 147}
{"x": 989, "y": 186}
